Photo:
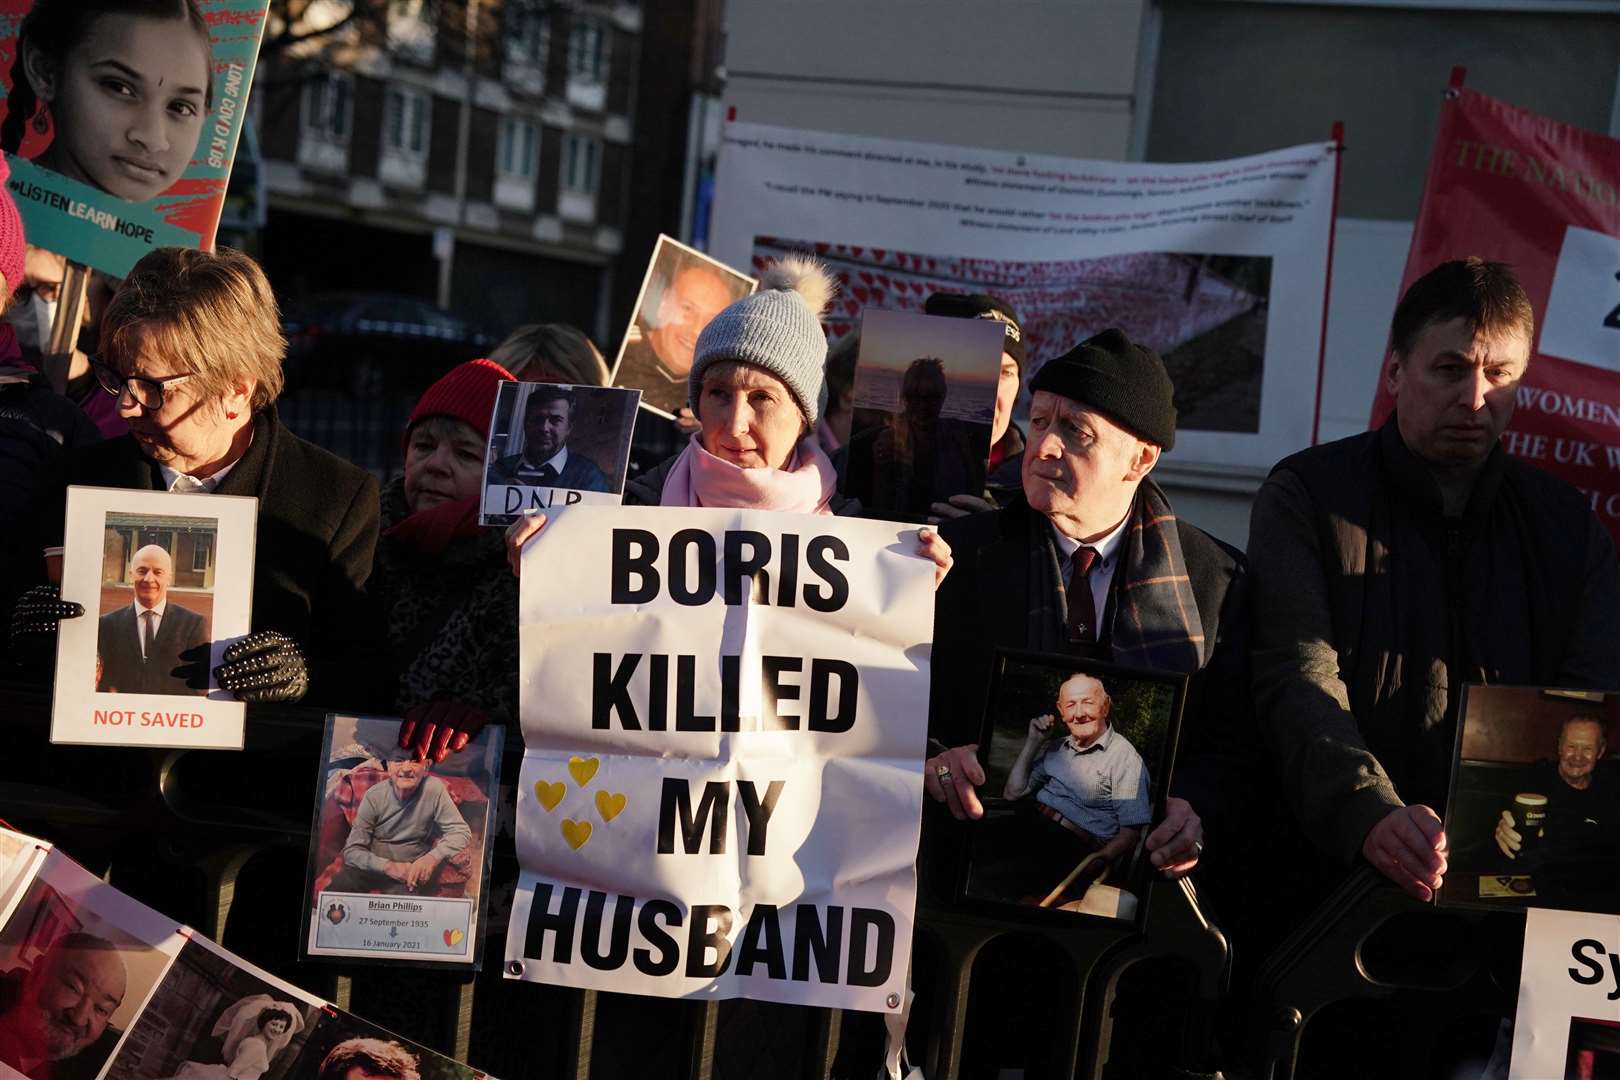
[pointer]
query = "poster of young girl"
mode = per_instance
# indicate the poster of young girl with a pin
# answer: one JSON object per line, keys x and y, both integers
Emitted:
{"x": 121, "y": 119}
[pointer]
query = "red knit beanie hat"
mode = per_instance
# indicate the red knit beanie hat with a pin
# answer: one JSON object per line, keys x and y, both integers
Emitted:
{"x": 466, "y": 392}
{"x": 12, "y": 243}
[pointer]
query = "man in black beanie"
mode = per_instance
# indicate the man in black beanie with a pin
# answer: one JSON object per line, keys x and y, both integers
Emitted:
{"x": 1091, "y": 560}
{"x": 1088, "y": 559}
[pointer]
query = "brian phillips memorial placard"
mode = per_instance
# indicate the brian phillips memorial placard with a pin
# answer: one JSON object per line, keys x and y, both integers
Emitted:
{"x": 725, "y": 714}
{"x": 400, "y": 851}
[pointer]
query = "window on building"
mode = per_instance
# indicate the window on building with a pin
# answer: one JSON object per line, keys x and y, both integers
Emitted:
{"x": 202, "y": 551}
{"x": 405, "y": 122}
{"x": 328, "y": 105}
{"x": 515, "y": 146}
{"x": 528, "y": 36}
{"x": 586, "y": 58}
{"x": 581, "y": 164}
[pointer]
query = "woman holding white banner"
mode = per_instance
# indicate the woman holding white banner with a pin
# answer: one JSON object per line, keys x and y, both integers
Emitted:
{"x": 758, "y": 385}
{"x": 192, "y": 350}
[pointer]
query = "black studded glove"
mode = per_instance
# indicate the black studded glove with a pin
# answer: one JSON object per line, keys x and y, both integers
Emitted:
{"x": 34, "y": 621}
{"x": 263, "y": 668}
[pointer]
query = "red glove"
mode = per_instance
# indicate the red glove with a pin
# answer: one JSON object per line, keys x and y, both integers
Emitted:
{"x": 440, "y": 728}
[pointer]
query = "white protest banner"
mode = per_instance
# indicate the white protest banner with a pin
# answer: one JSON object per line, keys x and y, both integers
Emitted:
{"x": 725, "y": 714}
{"x": 1569, "y": 992}
{"x": 1221, "y": 267}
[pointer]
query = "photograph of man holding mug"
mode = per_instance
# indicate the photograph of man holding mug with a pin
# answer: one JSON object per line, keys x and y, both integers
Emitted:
{"x": 1572, "y": 805}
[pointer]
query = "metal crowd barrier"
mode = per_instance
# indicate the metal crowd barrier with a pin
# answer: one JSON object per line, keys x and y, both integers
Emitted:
{"x": 219, "y": 840}
{"x": 1402, "y": 978}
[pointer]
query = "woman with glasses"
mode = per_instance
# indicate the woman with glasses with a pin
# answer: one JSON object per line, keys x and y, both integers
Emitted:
{"x": 192, "y": 350}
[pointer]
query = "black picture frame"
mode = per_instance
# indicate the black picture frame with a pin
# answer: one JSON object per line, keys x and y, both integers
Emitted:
{"x": 1506, "y": 743}
{"x": 1020, "y": 680}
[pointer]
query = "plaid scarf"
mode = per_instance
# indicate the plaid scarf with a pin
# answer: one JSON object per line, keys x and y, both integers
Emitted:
{"x": 1153, "y": 616}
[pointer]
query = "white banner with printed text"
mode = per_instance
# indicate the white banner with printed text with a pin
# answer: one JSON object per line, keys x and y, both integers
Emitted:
{"x": 725, "y": 714}
{"x": 1221, "y": 267}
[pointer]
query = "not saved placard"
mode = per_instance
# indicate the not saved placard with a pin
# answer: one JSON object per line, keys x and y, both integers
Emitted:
{"x": 725, "y": 715}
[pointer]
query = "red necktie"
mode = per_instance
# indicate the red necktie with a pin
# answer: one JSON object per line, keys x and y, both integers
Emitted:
{"x": 1082, "y": 606}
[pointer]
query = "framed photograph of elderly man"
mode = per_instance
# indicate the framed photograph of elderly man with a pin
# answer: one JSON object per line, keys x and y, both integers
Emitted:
{"x": 78, "y": 961}
{"x": 166, "y": 582}
{"x": 682, "y": 290}
{"x": 1533, "y": 817}
{"x": 1077, "y": 757}
{"x": 556, "y": 445}
{"x": 400, "y": 853}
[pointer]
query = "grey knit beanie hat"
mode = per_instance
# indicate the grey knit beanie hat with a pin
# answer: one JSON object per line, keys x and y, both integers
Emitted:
{"x": 778, "y": 329}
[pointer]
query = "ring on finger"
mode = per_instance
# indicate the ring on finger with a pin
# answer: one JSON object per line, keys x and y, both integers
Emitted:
{"x": 944, "y": 774}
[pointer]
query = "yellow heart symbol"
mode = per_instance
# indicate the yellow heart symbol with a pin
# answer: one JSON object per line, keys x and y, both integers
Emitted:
{"x": 549, "y": 794}
{"x": 576, "y": 832}
{"x": 453, "y": 938}
{"x": 609, "y": 805}
{"x": 582, "y": 769}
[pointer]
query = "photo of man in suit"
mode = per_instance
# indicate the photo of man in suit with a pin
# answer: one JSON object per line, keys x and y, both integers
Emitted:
{"x": 139, "y": 644}
{"x": 548, "y": 418}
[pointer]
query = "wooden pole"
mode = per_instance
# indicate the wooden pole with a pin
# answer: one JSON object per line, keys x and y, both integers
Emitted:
{"x": 71, "y": 299}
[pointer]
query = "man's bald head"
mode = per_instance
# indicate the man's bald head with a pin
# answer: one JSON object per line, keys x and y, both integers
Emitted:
{"x": 151, "y": 572}
{"x": 70, "y": 994}
{"x": 696, "y": 293}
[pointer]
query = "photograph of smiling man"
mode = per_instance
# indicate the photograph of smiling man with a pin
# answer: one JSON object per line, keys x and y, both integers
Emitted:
{"x": 110, "y": 106}
{"x": 150, "y": 624}
{"x": 556, "y": 445}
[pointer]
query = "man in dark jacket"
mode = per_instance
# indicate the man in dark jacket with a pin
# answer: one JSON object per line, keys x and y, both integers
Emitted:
{"x": 139, "y": 645}
{"x": 1091, "y": 560}
{"x": 546, "y": 461}
{"x": 1392, "y": 568}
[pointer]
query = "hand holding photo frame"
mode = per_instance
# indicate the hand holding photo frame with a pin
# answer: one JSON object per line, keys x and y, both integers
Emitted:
{"x": 1077, "y": 756}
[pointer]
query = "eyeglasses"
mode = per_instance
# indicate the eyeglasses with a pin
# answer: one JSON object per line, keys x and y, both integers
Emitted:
{"x": 147, "y": 393}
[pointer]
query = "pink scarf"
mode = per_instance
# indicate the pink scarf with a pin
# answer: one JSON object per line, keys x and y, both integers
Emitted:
{"x": 698, "y": 478}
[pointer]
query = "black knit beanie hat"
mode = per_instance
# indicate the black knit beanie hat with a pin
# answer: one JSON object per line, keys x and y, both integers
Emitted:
{"x": 982, "y": 306}
{"x": 1119, "y": 378}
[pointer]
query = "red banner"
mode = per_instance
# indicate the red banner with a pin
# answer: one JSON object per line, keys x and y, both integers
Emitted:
{"x": 1544, "y": 197}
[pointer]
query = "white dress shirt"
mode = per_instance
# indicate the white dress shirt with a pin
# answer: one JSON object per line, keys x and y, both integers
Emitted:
{"x": 556, "y": 461}
{"x": 185, "y": 483}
